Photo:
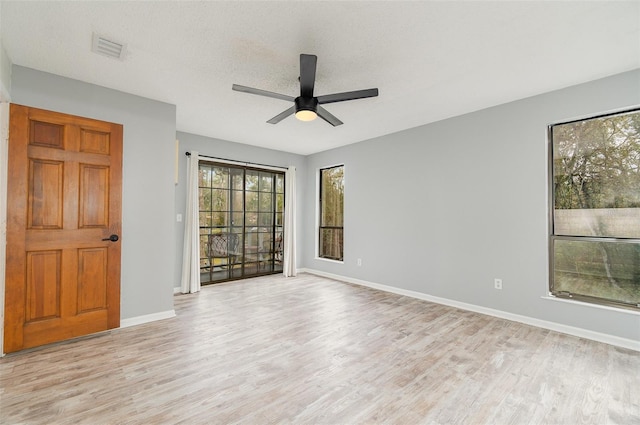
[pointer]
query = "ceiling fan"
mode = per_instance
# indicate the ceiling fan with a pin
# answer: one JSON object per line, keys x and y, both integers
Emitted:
{"x": 307, "y": 106}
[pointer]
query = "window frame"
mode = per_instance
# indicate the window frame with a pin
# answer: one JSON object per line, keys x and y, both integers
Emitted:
{"x": 320, "y": 227}
{"x": 551, "y": 222}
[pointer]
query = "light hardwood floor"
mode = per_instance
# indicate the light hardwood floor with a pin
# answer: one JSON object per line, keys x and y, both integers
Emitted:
{"x": 310, "y": 350}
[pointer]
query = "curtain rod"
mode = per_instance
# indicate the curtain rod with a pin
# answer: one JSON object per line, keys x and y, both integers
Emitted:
{"x": 233, "y": 161}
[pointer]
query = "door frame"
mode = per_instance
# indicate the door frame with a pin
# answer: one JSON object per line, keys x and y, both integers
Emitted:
{"x": 4, "y": 162}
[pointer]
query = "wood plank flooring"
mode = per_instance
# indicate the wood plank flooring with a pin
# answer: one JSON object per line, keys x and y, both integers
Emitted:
{"x": 310, "y": 350}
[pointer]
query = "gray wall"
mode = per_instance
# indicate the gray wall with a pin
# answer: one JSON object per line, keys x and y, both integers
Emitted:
{"x": 239, "y": 152}
{"x": 148, "y": 226}
{"x": 445, "y": 208}
{"x": 5, "y": 73}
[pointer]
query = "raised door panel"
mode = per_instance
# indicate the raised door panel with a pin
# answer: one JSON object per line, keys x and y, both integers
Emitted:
{"x": 46, "y": 134}
{"x": 94, "y": 141}
{"x": 94, "y": 196}
{"x": 45, "y": 198}
{"x": 92, "y": 279}
{"x": 43, "y": 285}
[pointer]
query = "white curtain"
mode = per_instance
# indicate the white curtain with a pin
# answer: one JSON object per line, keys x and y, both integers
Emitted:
{"x": 191, "y": 251}
{"x": 289, "y": 262}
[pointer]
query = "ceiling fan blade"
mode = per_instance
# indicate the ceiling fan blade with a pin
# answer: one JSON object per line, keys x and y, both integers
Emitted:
{"x": 259, "y": 92}
{"x": 307, "y": 74}
{"x": 328, "y": 117}
{"x": 282, "y": 115}
{"x": 350, "y": 95}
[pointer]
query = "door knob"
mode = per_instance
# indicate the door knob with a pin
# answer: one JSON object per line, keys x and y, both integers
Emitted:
{"x": 112, "y": 238}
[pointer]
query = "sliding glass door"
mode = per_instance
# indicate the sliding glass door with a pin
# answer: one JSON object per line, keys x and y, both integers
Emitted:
{"x": 241, "y": 222}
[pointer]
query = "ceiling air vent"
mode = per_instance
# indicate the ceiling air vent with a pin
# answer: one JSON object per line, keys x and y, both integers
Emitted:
{"x": 105, "y": 47}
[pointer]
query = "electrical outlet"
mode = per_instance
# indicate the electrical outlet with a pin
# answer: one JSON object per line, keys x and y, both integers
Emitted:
{"x": 359, "y": 262}
{"x": 497, "y": 283}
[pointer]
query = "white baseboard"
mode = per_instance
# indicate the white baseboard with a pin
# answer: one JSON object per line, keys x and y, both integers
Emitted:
{"x": 139, "y": 320}
{"x": 558, "y": 327}
{"x": 177, "y": 290}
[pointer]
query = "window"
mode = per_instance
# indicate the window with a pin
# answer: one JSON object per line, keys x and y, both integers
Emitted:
{"x": 331, "y": 213}
{"x": 595, "y": 209}
{"x": 241, "y": 221}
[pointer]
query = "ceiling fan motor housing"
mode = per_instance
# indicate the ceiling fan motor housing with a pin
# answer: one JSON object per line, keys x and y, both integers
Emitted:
{"x": 306, "y": 104}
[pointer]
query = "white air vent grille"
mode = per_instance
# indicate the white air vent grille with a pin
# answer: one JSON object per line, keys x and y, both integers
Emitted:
{"x": 105, "y": 47}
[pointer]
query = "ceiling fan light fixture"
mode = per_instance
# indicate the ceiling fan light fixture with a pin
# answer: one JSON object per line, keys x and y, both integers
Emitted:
{"x": 306, "y": 115}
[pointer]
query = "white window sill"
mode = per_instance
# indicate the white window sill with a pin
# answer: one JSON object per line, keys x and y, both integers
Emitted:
{"x": 586, "y": 304}
{"x": 330, "y": 260}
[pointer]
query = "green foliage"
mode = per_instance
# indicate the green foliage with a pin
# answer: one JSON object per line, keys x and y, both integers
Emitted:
{"x": 332, "y": 196}
{"x": 585, "y": 258}
{"x": 332, "y": 212}
{"x": 596, "y": 163}
{"x": 224, "y": 194}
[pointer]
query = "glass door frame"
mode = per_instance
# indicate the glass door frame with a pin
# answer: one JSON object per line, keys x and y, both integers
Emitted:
{"x": 247, "y": 221}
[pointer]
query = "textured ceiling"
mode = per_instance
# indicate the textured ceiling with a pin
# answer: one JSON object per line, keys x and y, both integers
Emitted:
{"x": 430, "y": 60}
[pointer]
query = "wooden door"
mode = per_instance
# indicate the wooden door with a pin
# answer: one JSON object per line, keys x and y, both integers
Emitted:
{"x": 63, "y": 203}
